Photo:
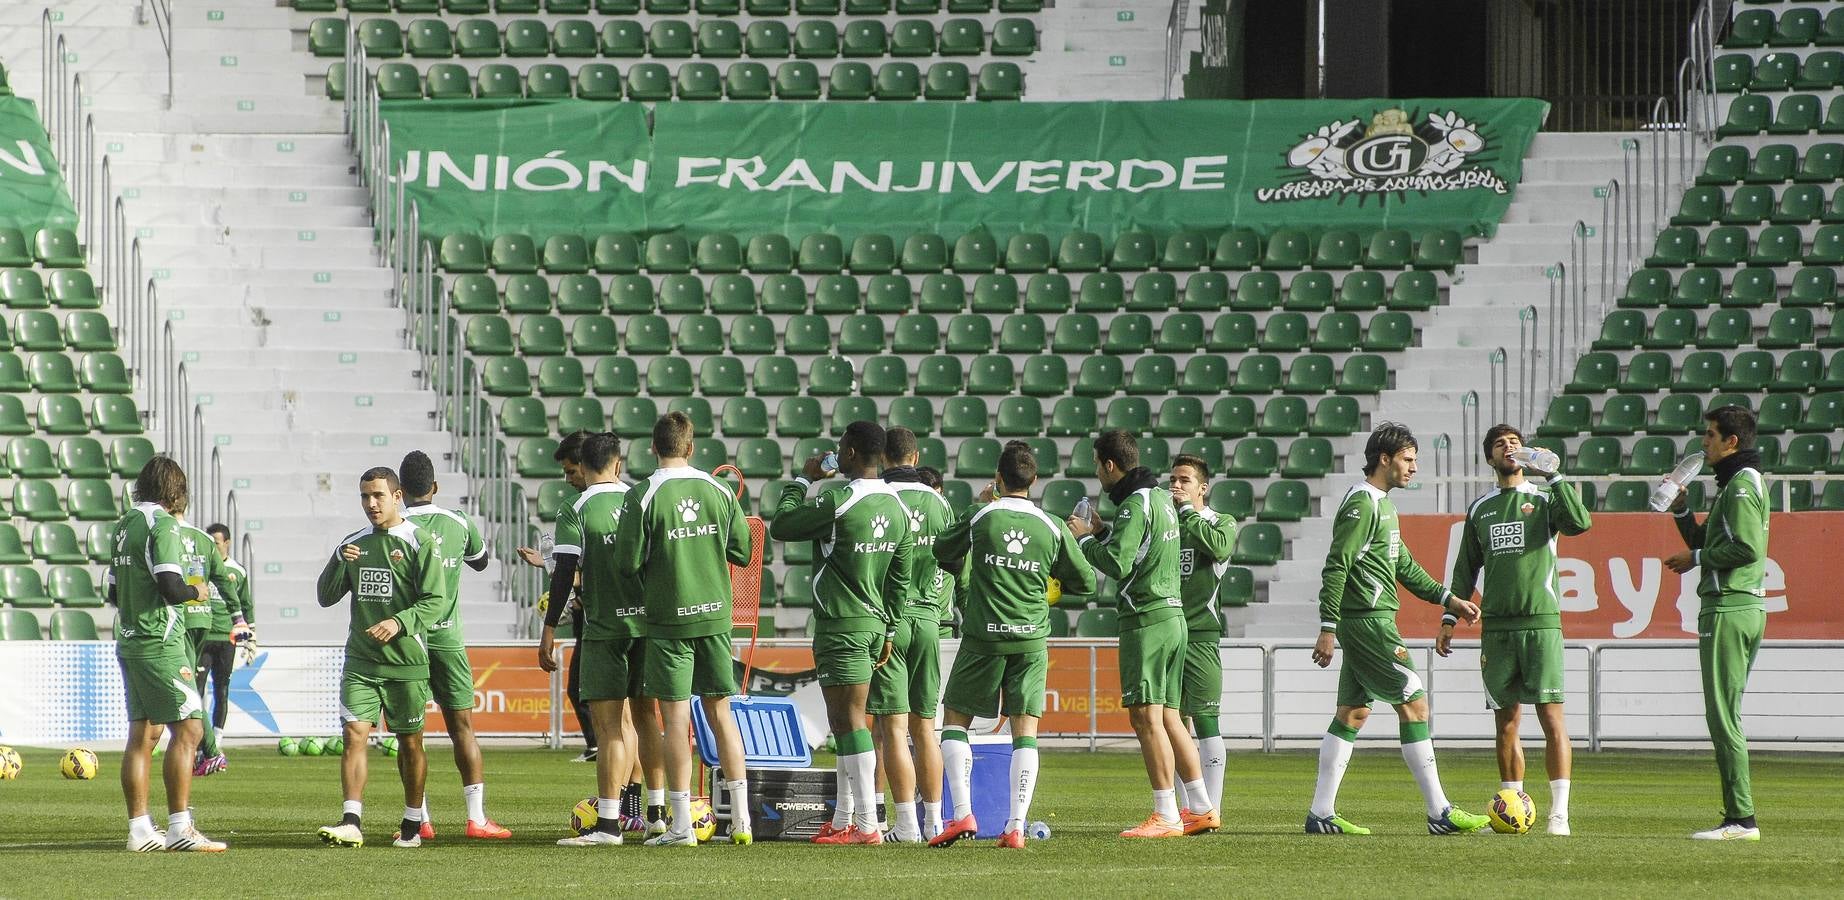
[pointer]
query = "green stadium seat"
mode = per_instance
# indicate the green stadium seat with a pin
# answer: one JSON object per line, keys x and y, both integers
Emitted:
{"x": 1595, "y": 373}
{"x": 1439, "y": 249}
{"x": 1748, "y": 115}
{"x": 497, "y": 81}
{"x": 1153, "y": 374}
{"x": 1788, "y": 329}
{"x": 964, "y": 417}
{"x": 1779, "y": 413}
{"x": 1309, "y": 457}
{"x": 1258, "y": 544}
{"x": 939, "y": 376}
{"x": 745, "y": 417}
{"x": 1000, "y": 81}
{"x": 13, "y": 378}
{"x": 799, "y": 417}
{"x": 1626, "y": 496}
{"x": 1338, "y": 249}
{"x": 1597, "y": 456}
{"x": 1752, "y": 288}
{"x": 1204, "y": 375}
{"x": 1413, "y": 291}
{"x": 1014, "y": 37}
{"x": 36, "y": 501}
{"x": 73, "y": 289}
{"x": 961, "y": 37}
{"x": 995, "y": 294}
{"x": 1733, "y": 73}
{"x": 13, "y": 551}
{"x": 381, "y": 38}
{"x": 462, "y": 252}
{"x": 1772, "y": 164}
{"x": 865, "y": 38}
{"x": 847, "y": 410}
{"x": 504, "y": 376}
{"x": 1179, "y": 333}
{"x": 1748, "y": 205}
{"x": 431, "y": 39}
{"x": 1287, "y": 248}
{"x": 525, "y": 417}
{"x": 991, "y": 375}
{"x": 850, "y": 81}
{"x": 1800, "y": 370}
{"x": 1073, "y": 416}
{"x": 1800, "y": 204}
{"x": 1311, "y": 373}
{"x": 1257, "y": 292}
{"x": 82, "y": 457}
{"x": 1285, "y": 501}
{"x": 37, "y": 330}
{"x": 1646, "y": 373}
{"x": 1568, "y": 415}
{"x": 327, "y": 37}
{"x": 1100, "y": 376}
{"x": 1824, "y": 414}
{"x": 13, "y": 419}
{"x": 816, "y": 39}
{"x": 1285, "y": 332}
{"x": 1283, "y": 417}
{"x": 1309, "y": 292}
{"x": 1702, "y": 205}
{"x": 1253, "y": 457}
{"x": 1179, "y": 417}
{"x": 1622, "y": 415}
{"x": 649, "y": 82}
{"x": 1080, "y": 251}
{"x": 22, "y": 289}
{"x": 1128, "y": 333}
{"x": 127, "y": 455}
{"x": 52, "y": 373}
{"x": 830, "y": 376}
{"x": 30, "y": 457}
{"x": 92, "y": 500}
{"x": 19, "y": 624}
{"x": 1647, "y": 289}
{"x": 1726, "y": 328}
{"x": 1362, "y": 291}
{"x": 1670, "y": 330}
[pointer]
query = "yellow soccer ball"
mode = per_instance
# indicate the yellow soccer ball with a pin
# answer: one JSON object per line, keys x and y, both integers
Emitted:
{"x": 1511, "y": 812}
{"x": 10, "y": 763}
{"x": 704, "y": 821}
{"x": 79, "y": 764}
{"x": 583, "y": 816}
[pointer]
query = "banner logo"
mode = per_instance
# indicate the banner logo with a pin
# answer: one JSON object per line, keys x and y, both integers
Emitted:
{"x": 1390, "y": 155}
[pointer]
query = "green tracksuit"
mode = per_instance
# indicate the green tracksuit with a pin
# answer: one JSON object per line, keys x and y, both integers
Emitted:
{"x": 151, "y": 639}
{"x": 1731, "y": 547}
{"x": 1203, "y": 556}
{"x": 457, "y": 540}
{"x": 910, "y": 682}
{"x": 1512, "y": 535}
{"x": 862, "y": 549}
{"x": 1358, "y": 602}
{"x": 612, "y": 639}
{"x": 398, "y": 575}
{"x": 1140, "y": 552}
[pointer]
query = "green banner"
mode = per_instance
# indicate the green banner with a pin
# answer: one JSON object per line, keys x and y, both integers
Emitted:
{"x": 32, "y": 190}
{"x": 847, "y": 168}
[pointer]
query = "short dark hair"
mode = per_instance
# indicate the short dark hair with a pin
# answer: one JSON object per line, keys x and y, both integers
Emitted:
{"x": 672, "y": 435}
{"x": 218, "y": 530}
{"x": 571, "y": 444}
{"x": 899, "y": 445}
{"x": 1119, "y": 448}
{"x": 417, "y": 474}
{"x": 162, "y": 481}
{"x": 1497, "y": 431}
{"x": 1733, "y": 422}
{"x": 1195, "y": 462}
{"x": 930, "y": 476}
{"x": 598, "y": 452}
{"x": 1388, "y": 439}
{"x": 1017, "y": 466}
{"x": 386, "y": 473}
{"x": 866, "y": 439}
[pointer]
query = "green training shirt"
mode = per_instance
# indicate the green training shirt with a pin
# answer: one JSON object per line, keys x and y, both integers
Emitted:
{"x": 1512, "y": 534}
{"x": 1206, "y": 540}
{"x": 199, "y": 554}
{"x": 613, "y": 604}
{"x": 398, "y": 575}
{"x": 146, "y": 626}
{"x": 1011, "y": 549}
{"x": 862, "y": 550}
{"x": 225, "y": 610}
{"x": 1366, "y": 561}
{"x": 681, "y": 530}
{"x": 931, "y": 588}
{"x": 1141, "y": 554}
{"x": 457, "y": 540}
{"x": 1731, "y": 544}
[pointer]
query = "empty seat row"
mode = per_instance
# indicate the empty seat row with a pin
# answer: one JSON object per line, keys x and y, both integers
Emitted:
{"x": 66, "y": 625}
{"x": 1572, "y": 414}
{"x": 38, "y": 330}
{"x": 84, "y": 499}
{"x": 1100, "y": 292}
{"x": 758, "y": 8}
{"x": 1791, "y": 28}
{"x": 1737, "y": 72}
{"x": 1732, "y": 245}
{"x": 675, "y": 38}
{"x": 836, "y": 376}
{"x": 63, "y": 414}
{"x": 1751, "y": 114}
{"x": 65, "y": 289}
{"x": 654, "y": 82}
{"x": 56, "y": 542}
{"x": 51, "y": 248}
{"x": 1753, "y": 287}
{"x": 56, "y": 373}
{"x": 1708, "y": 371}
{"x": 76, "y": 457}
{"x": 1772, "y": 164}
{"x": 1238, "y": 249}
{"x": 1797, "y": 204}
{"x": 1675, "y": 329}
{"x": 71, "y": 587}
{"x": 808, "y": 334}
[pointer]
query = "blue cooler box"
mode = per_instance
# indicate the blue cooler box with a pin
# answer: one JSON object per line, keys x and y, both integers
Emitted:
{"x": 992, "y": 783}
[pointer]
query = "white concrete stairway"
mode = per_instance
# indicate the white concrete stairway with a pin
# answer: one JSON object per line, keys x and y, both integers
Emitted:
{"x": 1561, "y": 174}
{"x": 1100, "y": 50}
{"x": 254, "y": 229}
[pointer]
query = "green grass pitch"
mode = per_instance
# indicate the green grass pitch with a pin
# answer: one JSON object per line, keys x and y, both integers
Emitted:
{"x": 1631, "y": 815}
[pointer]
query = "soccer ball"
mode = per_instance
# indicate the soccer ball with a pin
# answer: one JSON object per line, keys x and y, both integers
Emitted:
{"x": 388, "y": 745}
{"x": 10, "y": 764}
{"x": 1053, "y": 590}
{"x": 1511, "y": 812}
{"x": 583, "y": 816}
{"x": 288, "y": 747}
{"x": 311, "y": 746}
{"x": 334, "y": 746}
{"x": 79, "y": 765}
{"x": 704, "y": 821}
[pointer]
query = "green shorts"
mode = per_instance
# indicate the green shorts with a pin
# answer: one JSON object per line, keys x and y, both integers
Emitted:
{"x": 1376, "y": 666}
{"x": 611, "y": 669}
{"x": 1521, "y": 667}
{"x": 162, "y": 689}
{"x": 911, "y": 681}
{"x": 451, "y": 679}
{"x": 846, "y": 658}
{"x": 677, "y": 668}
{"x": 363, "y": 697}
{"x": 1203, "y": 680}
{"x": 1152, "y": 661}
{"x": 980, "y": 681}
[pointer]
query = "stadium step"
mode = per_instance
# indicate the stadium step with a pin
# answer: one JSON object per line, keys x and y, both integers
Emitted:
{"x": 212, "y": 172}
{"x": 349, "y": 195}
{"x": 322, "y": 238}
{"x": 241, "y": 215}
{"x": 184, "y": 256}
{"x": 241, "y": 149}
{"x": 326, "y": 297}
{"x": 264, "y": 276}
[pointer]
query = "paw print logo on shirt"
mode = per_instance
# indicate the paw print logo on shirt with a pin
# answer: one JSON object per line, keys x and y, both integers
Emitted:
{"x": 1015, "y": 541}
{"x": 688, "y": 510}
{"x": 878, "y": 526}
{"x": 915, "y": 520}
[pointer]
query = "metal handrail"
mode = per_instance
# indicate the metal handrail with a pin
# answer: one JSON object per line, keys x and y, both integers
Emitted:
{"x": 163, "y": 23}
{"x": 1443, "y": 463}
{"x": 1529, "y": 348}
{"x": 1174, "y": 41}
{"x": 1471, "y": 430}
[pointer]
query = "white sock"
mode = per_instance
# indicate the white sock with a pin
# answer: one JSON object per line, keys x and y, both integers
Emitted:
{"x": 957, "y": 762}
{"x": 842, "y": 791}
{"x": 476, "y": 797}
{"x": 1211, "y": 751}
{"x": 1559, "y": 797}
{"x": 1334, "y": 756}
{"x": 413, "y": 814}
{"x": 1419, "y": 755}
{"x": 353, "y": 807}
{"x": 931, "y": 819}
{"x": 656, "y": 796}
{"x": 425, "y": 810}
{"x": 179, "y": 821}
{"x": 608, "y": 808}
{"x": 863, "y": 774}
{"x": 1511, "y": 785}
{"x": 1024, "y": 784}
{"x": 680, "y": 801}
{"x": 905, "y": 824}
{"x": 141, "y": 827}
{"x": 1165, "y": 803}
{"x": 739, "y": 804}
{"x": 1197, "y": 796}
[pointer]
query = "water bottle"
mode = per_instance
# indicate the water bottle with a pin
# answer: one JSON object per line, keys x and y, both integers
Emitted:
{"x": 1536, "y": 460}
{"x": 830, "y": 462}
{"x": 1038, "y": 831}
{"x": 1084, "y": 510}
{"x": 1673, "y": 484}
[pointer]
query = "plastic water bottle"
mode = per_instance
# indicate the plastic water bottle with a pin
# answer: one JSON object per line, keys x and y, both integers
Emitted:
{"x": 1038, "y": 831}
{"x": 1673, "y": 484}
{"x": 1536, "y": 459}
{"x": 1084, "y": 510}
{"x": 830, "y": 462}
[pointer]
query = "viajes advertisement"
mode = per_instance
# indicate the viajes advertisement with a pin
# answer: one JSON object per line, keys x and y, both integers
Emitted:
{"x": 543, "y": 168}
{"x": 32, "y": 190}
{"x": 1615, "y": 584}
